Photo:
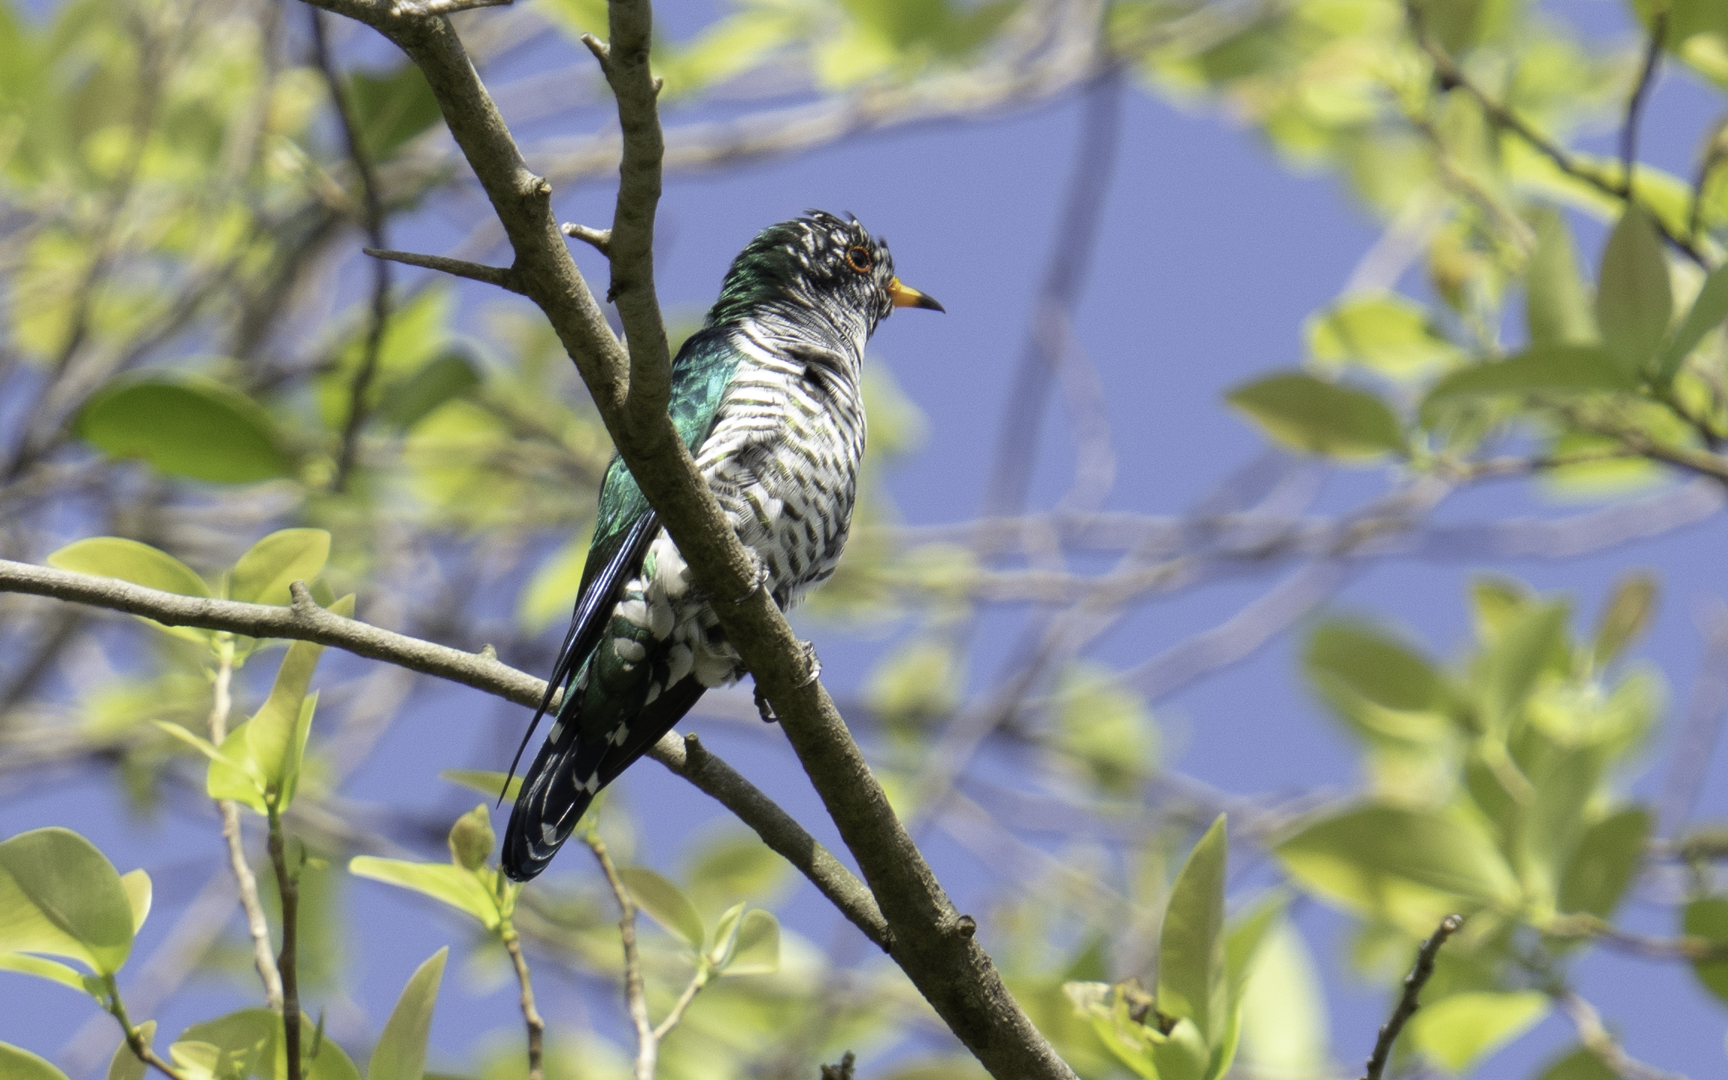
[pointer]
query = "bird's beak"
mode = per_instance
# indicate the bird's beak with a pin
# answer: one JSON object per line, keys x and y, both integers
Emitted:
{"x": 906, "y": 296}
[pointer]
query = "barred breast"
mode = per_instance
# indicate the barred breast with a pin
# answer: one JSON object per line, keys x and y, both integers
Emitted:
{"x": 782, "y": 460}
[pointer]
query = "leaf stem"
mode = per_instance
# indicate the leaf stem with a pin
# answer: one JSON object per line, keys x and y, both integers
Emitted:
{"x": 289, "y": 889}
{"x": 135, "y": 1035}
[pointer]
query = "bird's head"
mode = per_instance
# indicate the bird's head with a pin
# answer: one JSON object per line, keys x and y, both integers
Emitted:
{"x": 819, "y": 263}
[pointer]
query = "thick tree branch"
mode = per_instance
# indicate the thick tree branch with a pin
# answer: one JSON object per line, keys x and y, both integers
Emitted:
{"x": 306, "y": 621}
{"x": 930, "y": 941}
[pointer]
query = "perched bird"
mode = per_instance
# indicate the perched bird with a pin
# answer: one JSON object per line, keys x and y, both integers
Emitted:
{"x": 767, "y": 397}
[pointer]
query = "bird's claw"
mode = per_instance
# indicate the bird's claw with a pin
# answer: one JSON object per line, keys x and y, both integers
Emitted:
{"x": 758, "y": 577}
{"x": 764, "y": 707}
{"x": 815, "y": 663}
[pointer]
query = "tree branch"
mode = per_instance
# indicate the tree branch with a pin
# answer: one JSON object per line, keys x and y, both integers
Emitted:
{"x": 1640, "y": 94}
{"x": 647, "y": 1040}
{"x": 306, "y": 621}
{"x": 372, "y": 203}
{"x": 1596, "y": 1039}
{"x": 530, "y": 1012}
{"x": 288, "y": 890}
{"x": 256, "y": 925}
{"x": 1409, "y": 1001}
{"x": 503, "y": 277}
{"x": 930, "y": 943}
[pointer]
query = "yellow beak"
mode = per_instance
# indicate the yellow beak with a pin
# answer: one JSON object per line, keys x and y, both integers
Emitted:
{"x": 906, "y": 296}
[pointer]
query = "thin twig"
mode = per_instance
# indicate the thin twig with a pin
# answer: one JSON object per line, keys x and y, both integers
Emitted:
{"x": 1640, "y": 93}
{"x": 1702, "y": 728}
{"x": 1451, "y": 75}
{"x": 502, "y": 276}
{"x": 647, "y": 1040}
{"x": 530, "y": 1014}
{"x": 372, "y": 202}
{"x": 598, "y": 239}
{"x": 256, "y": 924}
{"x": 691, "y": 989}
{"x": 1409, "y": 1002}
{"x": 1596, "y": 1039}
{"x": 289, "y": 890}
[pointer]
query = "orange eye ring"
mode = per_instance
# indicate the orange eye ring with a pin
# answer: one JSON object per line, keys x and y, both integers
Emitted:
{"x": 859, "y": 260}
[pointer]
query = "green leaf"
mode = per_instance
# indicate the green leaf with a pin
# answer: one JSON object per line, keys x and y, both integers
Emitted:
{"x": 1557, "y": 302}
{"x": 401, "y": 1052}
{"x": 1383, "y": 331}
{"x": 1372, "y": 664}
{"x": 52, "y": 970}
{"x": 1407, "y": 866}
{"x": 1605, "y": 862}
{"x": 263, "y": 574}
{"x": 1634, "y": 298}
{"x": 666, "y": 902}
{"x": 756, "y": 950}
{"x": 484, "y": 781}
{"x": 1183, "y": 1055}
{"x": 124, "y": 1065}
{"x": 1708, "y": 919}
{"x": 1461, "y": 1030}
{"x": 463, "y": 889}
{"x": 1192, "y": 972}
{"x": 1570, "y": 368}
{"x": 141, "y": 564}
{"x": 138, "y": 893}
{"x": 391, "y": 108}
{"x": 1512, "y": 663}
{"x": 238, "y": 1044}
{"x": 1319, "y": 417}
{"x": 129, "y": 560}
{"x": 471, "y": 838}
{"x": 17, "y": 1063}
{"x": 1551, "y": 821}
{"x": 61, "y": 896}
{"x": 551, "y": 592}
{"x": 269, "y": 748}
{"x": 1625, "y": 618}
{"x": 1285, "y": 1029}
{"x": 1578, "y": 1063}
{"x": 186, "y": 426}
{"x": 725, "y": 935}
{"x": 445, "y": 376}
{"x": 1707, "y": 313}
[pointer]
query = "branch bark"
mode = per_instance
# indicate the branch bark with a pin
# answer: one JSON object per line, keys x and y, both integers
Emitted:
{"x": 306, "y": 621}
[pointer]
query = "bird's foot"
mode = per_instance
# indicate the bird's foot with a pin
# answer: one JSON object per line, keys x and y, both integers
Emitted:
{"x": 758, "y": 576}
{"x": 813, "y": 660}
{"x": 765, "y": 708}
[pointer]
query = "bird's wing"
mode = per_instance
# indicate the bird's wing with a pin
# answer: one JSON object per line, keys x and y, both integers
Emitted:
{"x": 625, "y": 525}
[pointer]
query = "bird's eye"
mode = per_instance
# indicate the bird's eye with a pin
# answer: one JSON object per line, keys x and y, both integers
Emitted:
{"x": 859, "y": 259}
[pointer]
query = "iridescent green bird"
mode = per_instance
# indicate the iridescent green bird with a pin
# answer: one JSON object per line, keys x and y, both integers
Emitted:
{"x": 767, "y": 397}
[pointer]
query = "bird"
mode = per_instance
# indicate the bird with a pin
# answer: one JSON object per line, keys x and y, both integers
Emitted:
{"x": 767, "y": 396}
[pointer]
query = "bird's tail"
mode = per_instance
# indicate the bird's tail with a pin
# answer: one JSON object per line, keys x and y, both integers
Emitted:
{"x": 551, "y": 802}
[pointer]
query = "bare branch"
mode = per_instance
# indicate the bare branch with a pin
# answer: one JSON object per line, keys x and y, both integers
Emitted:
{"x": 501, "y": 276}
{"x": 598, "y": 239}
{"x": 691, "y": 989}
{"x": 306, "y": 621}
{"x": 630, "y": 244}
{"x": 1596, "y": 1039}
{"x": 373, "y": 203}
{"x": 256, "y": 925}
{"x": 1409, "y": 1001}
{"x": 1640, "y": 94}
{"x": 424, "y": 8}
{"x": 647, "y": 1041}
{"x": 287, "y": 962}
{"x": 530, "y": 1013}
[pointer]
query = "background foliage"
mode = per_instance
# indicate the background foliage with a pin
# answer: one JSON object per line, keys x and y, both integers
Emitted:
{"x": 194, "y": 359}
